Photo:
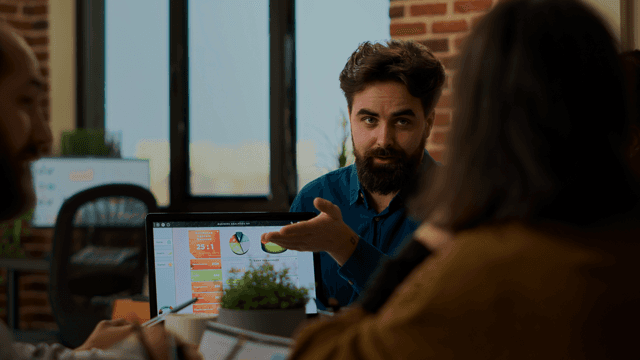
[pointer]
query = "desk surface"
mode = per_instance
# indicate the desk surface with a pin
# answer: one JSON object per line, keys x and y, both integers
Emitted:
{"x": 24, "y": 264}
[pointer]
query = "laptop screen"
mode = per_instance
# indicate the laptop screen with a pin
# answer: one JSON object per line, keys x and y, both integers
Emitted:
{"x": 195, "y": 254}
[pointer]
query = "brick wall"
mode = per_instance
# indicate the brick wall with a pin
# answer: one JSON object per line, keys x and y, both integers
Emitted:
{"x": 35, "y": 310}
{"x": 30, "y": 19}
{"x": 441, "y": 25}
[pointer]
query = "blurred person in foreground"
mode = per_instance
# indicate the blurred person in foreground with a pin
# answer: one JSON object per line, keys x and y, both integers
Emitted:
{"x": 391, "y": 90}
{"x": 536, "y": 205}
{"x": 631, "y": 61}
{"x": 24, "y": 137}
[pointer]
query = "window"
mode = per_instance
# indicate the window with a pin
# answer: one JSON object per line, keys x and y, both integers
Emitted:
{"x": 220, "y": 126}
{"x": 137, "y": 84}
{"x": 320, "y": 57}
{"x": 229, "y": 97}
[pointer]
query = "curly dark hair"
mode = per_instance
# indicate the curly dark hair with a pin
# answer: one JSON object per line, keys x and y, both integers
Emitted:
{"x": 407, "y": 62}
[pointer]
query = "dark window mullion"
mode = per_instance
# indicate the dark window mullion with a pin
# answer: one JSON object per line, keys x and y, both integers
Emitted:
{"x": 282, "y": 79}
{"x": 90, "y": 67}
{"x": 179, "y": 104}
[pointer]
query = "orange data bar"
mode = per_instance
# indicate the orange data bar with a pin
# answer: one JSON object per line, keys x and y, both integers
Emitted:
{"x": 206, "y": 286}
{"x": 206, "y": 308}
{"x": 208, "y": 298}
{"x": 204, "y": 244}
{"x": 206, "y": 264}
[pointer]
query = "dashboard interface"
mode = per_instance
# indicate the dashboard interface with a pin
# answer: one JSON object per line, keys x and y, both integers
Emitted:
{"x": 195, "y": 259}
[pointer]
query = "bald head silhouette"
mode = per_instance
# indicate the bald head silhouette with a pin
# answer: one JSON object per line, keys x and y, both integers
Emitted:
{"x": 24, "y": 132}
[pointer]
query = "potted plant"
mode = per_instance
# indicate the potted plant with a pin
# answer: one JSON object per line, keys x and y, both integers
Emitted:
{"x": 263, "y": 300}
{"x": 90, "y": 142}
{"x": 11, "y": 234}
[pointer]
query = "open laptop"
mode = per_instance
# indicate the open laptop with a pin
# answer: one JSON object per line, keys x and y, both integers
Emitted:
{"x": 190, "y": 255}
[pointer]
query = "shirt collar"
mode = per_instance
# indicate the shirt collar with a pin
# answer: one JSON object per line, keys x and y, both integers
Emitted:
{"x": 355, "y": 188}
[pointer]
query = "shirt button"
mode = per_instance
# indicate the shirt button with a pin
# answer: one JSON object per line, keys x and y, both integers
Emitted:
{"x": 376, "y": 219}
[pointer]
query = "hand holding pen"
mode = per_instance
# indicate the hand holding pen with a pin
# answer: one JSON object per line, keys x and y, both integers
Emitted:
{"x": 160, "y": 318}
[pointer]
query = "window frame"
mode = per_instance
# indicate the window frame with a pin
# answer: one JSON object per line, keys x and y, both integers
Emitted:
{"x": 282, "y": 104}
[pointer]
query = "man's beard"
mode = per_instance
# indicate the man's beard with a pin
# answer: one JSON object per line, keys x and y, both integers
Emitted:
{"x": 387, "y": 178}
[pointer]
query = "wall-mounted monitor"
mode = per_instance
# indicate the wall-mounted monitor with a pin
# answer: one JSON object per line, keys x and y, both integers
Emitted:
{"x": 57, "y": 178}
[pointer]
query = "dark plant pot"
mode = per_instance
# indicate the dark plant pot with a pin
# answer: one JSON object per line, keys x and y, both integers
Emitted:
{"x": 272, "y": 322}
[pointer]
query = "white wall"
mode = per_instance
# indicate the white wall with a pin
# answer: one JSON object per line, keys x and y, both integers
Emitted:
{"x": 62, "y": 68}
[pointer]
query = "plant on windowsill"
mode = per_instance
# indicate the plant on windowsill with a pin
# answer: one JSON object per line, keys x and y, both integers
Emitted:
{"x": 89, "y": 142}
{"x": 263, "y": 300}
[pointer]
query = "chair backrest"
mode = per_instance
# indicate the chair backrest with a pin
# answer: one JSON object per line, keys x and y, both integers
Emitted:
{"x": 98, "y": 250}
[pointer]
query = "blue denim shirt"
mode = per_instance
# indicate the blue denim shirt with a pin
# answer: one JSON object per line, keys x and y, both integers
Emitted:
{"x": 381, "y": 234}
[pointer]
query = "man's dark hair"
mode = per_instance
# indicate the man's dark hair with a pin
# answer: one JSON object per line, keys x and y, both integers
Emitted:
{"x": 406, "y": 62}
{"x": 540, "y": 123}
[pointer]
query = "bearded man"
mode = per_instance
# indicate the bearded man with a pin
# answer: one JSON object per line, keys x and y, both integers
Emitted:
{"x": 25, "y": 136}
{"x": 391, "y": 91}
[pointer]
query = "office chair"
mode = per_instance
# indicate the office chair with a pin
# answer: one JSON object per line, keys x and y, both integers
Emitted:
{"x": 99, "y": 250}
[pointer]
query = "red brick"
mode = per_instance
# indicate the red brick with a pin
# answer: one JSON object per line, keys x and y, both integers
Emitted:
{"x": 396, "y": 12}
{"x": 21, "y": 25}
{"x": 443, "y": 119}
{"x": 41, "y": 25}
{"x": 36, "y": 247}
{"x": 408, "y": 29}
{"x": 450, "y": 26}
{"x": 43, "y": 325}
{"x": 438, "y": 137}
{"x": 36, "y": 238}
{"x": 33, "y": 302}
{"x": 446, "y": 101}
{"x": 461, "y": 7}
{"x": 436, "y": 45}
{"x": 449, "y": 62}
{"x": 42, "y": 56}
{"x": 36, "y": 286}
{"x": 42, "y": 278}
{"x": 41, "y": 40}
{"x": 35, "y": 10}
{"x": 36, "y": 314}
{"x": 428, "y": 9}
{"x": 8, "y": 9}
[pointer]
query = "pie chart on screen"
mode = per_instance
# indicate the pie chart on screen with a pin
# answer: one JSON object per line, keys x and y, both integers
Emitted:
{"x": 239, "y": 243}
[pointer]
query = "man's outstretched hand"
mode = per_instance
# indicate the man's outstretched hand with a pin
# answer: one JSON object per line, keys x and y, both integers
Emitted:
{"x": 325, "y": 232}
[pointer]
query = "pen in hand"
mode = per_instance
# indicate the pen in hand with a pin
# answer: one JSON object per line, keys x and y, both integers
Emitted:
{"x": 160, "y": 318}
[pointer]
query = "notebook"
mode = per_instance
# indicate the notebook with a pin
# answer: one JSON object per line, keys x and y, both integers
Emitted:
{"x": 195, "y": 254}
